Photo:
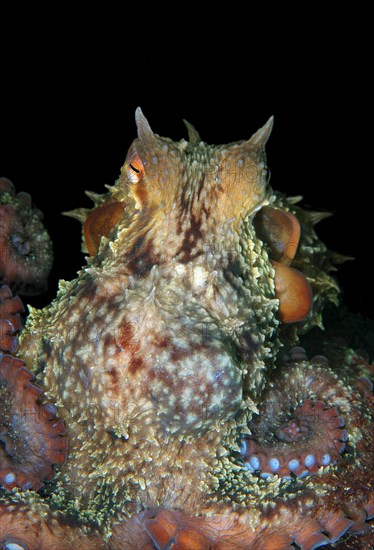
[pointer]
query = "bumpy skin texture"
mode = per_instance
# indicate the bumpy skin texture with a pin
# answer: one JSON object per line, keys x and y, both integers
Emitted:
{"x": 188, "y": 426}
{"x": 25, "y": 246}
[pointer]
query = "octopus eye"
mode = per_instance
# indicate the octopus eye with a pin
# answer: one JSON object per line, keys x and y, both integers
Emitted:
{"x": 135, "y": 169}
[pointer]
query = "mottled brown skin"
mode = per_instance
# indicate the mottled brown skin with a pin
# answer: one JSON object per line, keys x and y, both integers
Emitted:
{"x": 157, "y": 356}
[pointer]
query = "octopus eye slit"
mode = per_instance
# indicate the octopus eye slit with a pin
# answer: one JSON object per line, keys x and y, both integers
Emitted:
{"x": 134, "y": 168}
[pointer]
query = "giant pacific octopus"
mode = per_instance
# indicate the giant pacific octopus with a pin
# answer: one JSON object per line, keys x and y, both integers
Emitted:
{"x": 163, "y": 399}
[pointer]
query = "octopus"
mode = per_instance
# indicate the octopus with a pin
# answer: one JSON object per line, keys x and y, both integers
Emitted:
{"x": 164, "y": 400}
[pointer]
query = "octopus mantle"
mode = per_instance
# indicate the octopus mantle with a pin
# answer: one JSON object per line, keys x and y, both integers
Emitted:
{"x": 160, "y": 402}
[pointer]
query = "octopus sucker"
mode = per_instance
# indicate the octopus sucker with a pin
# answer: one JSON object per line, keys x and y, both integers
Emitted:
{"x": 298, "y": 433}
{"x": 32, "y": 439}
{"x": 166, "y": 398}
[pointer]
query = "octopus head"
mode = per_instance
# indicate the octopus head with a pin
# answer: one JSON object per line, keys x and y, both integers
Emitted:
{"x": 168, "y": 175}
{"x": 187, "y": 189}
{"x": 177, "y": 202}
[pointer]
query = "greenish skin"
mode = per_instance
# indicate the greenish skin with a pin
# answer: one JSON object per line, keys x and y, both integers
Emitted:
{"x": 158, "y": 354}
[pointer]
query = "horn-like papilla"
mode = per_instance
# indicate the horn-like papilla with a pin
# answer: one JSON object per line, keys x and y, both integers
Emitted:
{"x": 260, "y": 138}
{"x": 145, "y": 132}
{"x": 193, "y": 134}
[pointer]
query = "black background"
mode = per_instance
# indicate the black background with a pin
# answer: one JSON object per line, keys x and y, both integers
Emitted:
{"x": 67, "y": 117}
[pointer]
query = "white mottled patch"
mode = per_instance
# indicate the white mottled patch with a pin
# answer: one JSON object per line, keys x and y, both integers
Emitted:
{"x": 180, "y": 344}
{"x": 199, "y": 278}
{"x": 187, "y": 395}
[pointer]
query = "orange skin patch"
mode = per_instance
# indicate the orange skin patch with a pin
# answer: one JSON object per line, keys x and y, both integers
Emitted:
{"x": 281, "y": 230}
{"x": 99, "y": 223}
{"x": 293, "y": 292}
{"x": 171, "y": 530}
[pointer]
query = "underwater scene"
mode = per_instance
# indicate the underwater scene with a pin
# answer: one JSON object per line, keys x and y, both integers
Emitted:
{"x": 189, "y": 366}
